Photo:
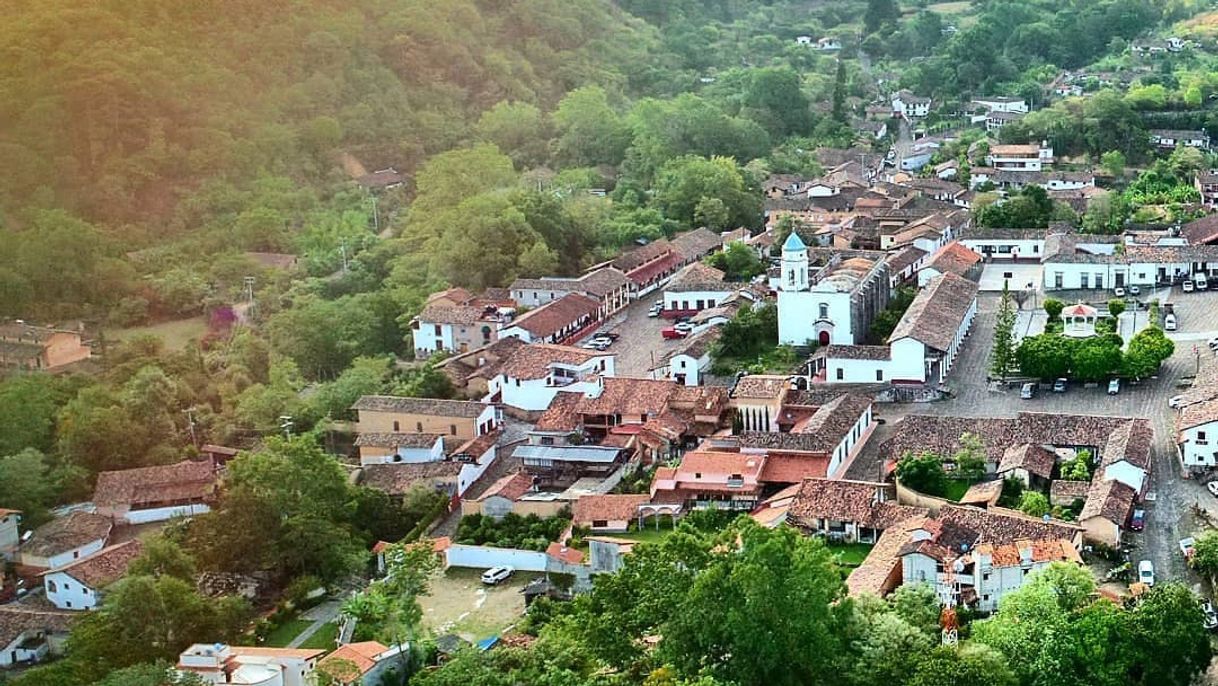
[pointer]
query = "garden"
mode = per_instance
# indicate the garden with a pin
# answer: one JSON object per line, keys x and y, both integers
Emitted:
{"x": 513, "y": 531}
{"x": 1053, "y": 355}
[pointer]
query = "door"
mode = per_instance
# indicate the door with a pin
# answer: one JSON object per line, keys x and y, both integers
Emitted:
{"x": 823, "y": 338}
{"x": 1120, "y": 279}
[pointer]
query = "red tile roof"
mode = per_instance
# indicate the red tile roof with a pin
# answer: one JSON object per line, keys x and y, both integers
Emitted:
{"x": 350, "y": 662}
{"x": 561, "y": 552}
{"x": 953, "y": 257}
{"x": 186, "y": 480}
{"x": 609, "y": 507}
{"x": 103, "y": 567}
{"x": 535, "y": 360}
{"x": 62, "y": 534}
{"x": 557, "y": 315}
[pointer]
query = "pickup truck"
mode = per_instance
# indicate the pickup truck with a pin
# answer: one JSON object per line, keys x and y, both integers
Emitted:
{"x": 1186, "y": 547}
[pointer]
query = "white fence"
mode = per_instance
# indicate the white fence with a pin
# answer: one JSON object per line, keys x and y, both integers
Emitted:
{"x": 485, "y": 557}
{"x": 161, "y": 514}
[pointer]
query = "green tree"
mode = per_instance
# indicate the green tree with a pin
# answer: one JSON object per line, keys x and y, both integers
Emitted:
{"x": 1053, "y": 307}
{"x": 970, "y": 457}
{"x": 26, "y": 485}
{"x": 1002, "y": 355}
{"x": 590, "y": 132}
{"x": 1146, "y": 352}
{"x": 685, "y": 182}
{"x": 1169, "y": 637}
{"x": 151, "y": 674}
{"x": 287, "y": 508}
{"x": 1115, "y": 307}
{"x": 1113, "y": 162}
{"x": 774, "y": 98}
{"x": 388, "y": 610}
{"x": 880, "y": 14}
{"x": 1079, "y": 468}
{"x": 923, "y": 473}
{"x": 1034, "y": 504}
{"x": 1205, "y": 553}
{"x": 839, "y": 93}
{"x": 1045, "y": 356}
{"x": 516, "y": 128}
{"x": 1096, "y": 358}
{"x": 28, "y": 405}
{"x": 162, "y": 556}
{"x": 948, "y": 666}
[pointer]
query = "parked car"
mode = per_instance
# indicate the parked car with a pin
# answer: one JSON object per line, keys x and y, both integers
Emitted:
{"x": 1210, "y": 614}
{"x": 604, "y": 339}
{"x": 1146, "y": 572}
{"x": 1135, "y": 290}
{"x": 594, "y": 344}
{"x": 1187, "y": 286}
{"x": 1200, "y": 281}
{"x": 1169, "y": 322}
{"x": 1138, "y": 521}
{"x": 1212, "y": 487}
{"x": 655, "y": 311}
{"x": 1059, "y": 386}
{"x": 1186, "y": 547}
{"x": 1175, "y": 402}
{"x": 1114, "y": 387}
{"x": 1028, "y": 391}
{"x": 1119, "y": 292}
{"x": 1213, "y": 343}
{"x": 496, "y": 575}
{"x": 610, "y": 335}
{"x": 684, "y": 327}
{"x": 671, "y": 333}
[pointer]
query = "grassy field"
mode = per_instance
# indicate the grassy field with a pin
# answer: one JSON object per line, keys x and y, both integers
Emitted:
{"x": 459, "y": 603}
{"x": 175, "y": 334}
{"x": 850, "y": 554}
{"x": 648, "y": 534}
{"x": 950, "y": 7}
{"x": 956, "y": 488}
{"x": 283, "y": 635}
{"x": 323, "y": 638}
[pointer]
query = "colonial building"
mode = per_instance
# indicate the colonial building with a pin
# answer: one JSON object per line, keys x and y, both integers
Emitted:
{"x": 834, "y": 305}
{"x": 25, "y": 346}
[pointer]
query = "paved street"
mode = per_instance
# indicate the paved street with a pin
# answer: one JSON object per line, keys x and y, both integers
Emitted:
{"x": 640, "y": 346}
{"x": 1169, "y": 516}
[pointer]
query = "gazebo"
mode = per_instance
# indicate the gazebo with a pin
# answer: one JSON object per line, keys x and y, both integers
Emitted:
{"x": 1079, "y": 320}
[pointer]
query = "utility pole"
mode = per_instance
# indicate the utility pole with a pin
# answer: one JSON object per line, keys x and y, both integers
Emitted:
{"x": 190, "y": 422}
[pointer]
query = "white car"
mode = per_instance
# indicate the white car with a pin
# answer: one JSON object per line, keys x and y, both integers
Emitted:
{"x": 1146, "y": 572}
{"x": 1187, "y": 286}
{"x": 1175, "y": 402}
{"x": 1135, "y": 290}
{"x": 495, "y": 575}
{"x": 1119, "y": 292}
{"x": 1213, "y": 343}
{"x": 1212, "y": 487}
{"x": 683, "y": 327}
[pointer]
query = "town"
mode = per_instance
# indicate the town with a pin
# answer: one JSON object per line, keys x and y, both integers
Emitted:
{"x": 900, "y": 357}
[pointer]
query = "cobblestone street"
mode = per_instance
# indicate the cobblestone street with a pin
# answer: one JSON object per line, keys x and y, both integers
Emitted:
{"x": 1169, "y": 515}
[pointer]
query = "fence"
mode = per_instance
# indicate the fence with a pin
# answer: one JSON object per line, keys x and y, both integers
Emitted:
{"x": 485, "y": 557}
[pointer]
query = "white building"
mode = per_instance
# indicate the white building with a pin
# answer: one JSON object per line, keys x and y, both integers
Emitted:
{"x": 1165, "y": 138}
{"x": 1092, "y": 262}
{"x": 922, "y": 348}
{"x": 1197, "y": 435}
{"x": 696, "y": 288}
{"x": 687, "y": 363}
{"x": 836, "y": 305}
{"x": 1002, "y": 104}
{"x": 457, "y": 328}
{"x": 399, "y": 448}
{"x": 1022, "y": 158}
{"x": 906, "y": 104}
{"x": 217, "y": 663}
{"x": 66, "y": 539}
{"x": 1001, "y": 244}
{"x": 78, "y": 586}
{"x": 30, "y": 636}
{"x": 533, "y": 374}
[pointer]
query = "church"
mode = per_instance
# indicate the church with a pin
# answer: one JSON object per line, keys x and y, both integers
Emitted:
{"x": 832, "y": 305}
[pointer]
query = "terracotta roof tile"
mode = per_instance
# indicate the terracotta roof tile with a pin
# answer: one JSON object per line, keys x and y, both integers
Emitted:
{"x": 1109, "y": 499}
{"x": 186, "y": 480}
{"x": 697, "y": 277}
{"x": 557, "y": 315}
{"x": 398, "y": 479}
{"x": 511, "y": 486}
{"x": 536, "y": 360}
{"x": 105, "y": 566}
{"x": 467, "y": 409}
{"x": 397, "y": 440}
{"x": 761, "y": 387}
{"x": 627, "y": 396}
{"x": 1032, "y": 458}
{"x": 853, "y": 501}
{"x": 954, "y": 258}
{"x": 609, "y": 507}
{"x": 351, "y": 661}
{"x": 563, "y": 413}
{"x": 937, "y": 312}
{"x": 692, "y": 245}
{"x": 565, "y": 554}
{"x": 68, "y": 532}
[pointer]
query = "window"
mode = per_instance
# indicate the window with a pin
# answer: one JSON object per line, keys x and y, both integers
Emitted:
{"x": 600, "y": 523}
{"x": 840, "y": 373}
{"x": 879, "y": 375}
{"x": 418, "y": 426}
{"x": 1084, "y": 280}
{"x": 452, "y": 429}
{"x": 396, "y": 426}
{"x": 824, "y": 311}
{"x": 1201, "y": 437}
{"x": 985, "y": 577}
{"x": 1035, "y": 248}
{"x": 547, "y": 440}
{"x": 51, "y": 587}
{"x": 1057, "y": 279}
{"x": 439, "y": 331}
{"x": 75, "y": 554}
{"x": 68, "y": 603}
{"x": 791, "y": 278}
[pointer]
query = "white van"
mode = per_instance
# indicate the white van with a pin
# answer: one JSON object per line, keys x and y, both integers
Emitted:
{"x": 1169, "y": 322}
{"x": 1200, "y": 281}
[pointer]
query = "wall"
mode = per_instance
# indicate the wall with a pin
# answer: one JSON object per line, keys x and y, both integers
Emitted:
{"x": 161, "y": 514}
{"x": 1100, "y": 530}
{"x": 376, "y": 455}
{"x": 64, "y": 348}
{"x": 690, "y": 368}
{"x": 799, "y": 317}
{"x": 908, "y": 496}
{"x": 10, "y": 534}
{"x": 484, "y": 557}
{"x": 427, "y": 340}
{"x": 908, "y": 360}
{"x": 471, "y": 471}
{"x": 856, "y": 371}
{"x": 1195, "y": 454}
{"x": 69, "y": 594}
{"x": 687, "y": 301}
{"x": 64, "y": 558}
{"x": 382, "y": 422}
{"x": 999, "y": 249}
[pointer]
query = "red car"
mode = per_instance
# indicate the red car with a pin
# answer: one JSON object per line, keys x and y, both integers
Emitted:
{"x": 671, "y": 333}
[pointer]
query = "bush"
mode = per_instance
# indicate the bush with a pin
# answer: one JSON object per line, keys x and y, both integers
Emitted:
{"x": 1053, "y": 308}
{"x": 923, "y": 473}
{"x": 513, "y": 531}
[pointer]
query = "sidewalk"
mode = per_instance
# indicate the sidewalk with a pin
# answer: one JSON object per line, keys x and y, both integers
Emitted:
{"x": 321, "y": 615}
